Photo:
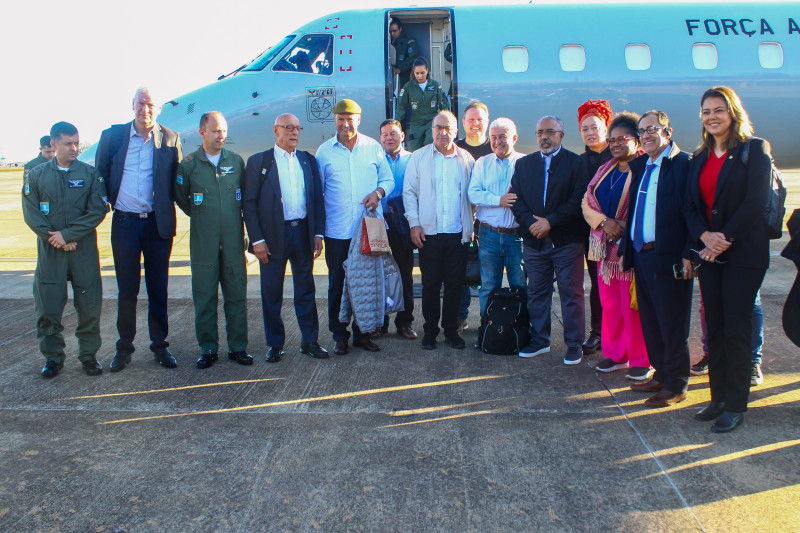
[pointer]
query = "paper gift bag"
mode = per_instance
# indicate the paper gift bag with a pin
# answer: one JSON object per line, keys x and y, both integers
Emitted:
{"x": 374, "y": 240}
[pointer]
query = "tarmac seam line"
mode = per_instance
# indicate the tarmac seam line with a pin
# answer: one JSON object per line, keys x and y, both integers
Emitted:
{"x": 649, "y": 451}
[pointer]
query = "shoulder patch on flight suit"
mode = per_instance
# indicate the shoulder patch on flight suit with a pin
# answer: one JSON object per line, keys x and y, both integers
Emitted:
{"x": 100, "y": 179}
{"x": 198, "y": 198}
{"x": 410, "y": 50}
{"x": 238, "y": 195}
{"x": 27, "y": 189}
{"x": 106, "y": 204}
{"x": 44, "y": 207}
{"x": 179, "y": 179}
{"x": 402, "y": 92}
{"x": 188, "y": 157}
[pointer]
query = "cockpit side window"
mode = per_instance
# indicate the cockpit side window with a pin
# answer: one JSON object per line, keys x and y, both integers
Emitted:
{"x": 264, "y": 59}
{"x": 312, "y": 54}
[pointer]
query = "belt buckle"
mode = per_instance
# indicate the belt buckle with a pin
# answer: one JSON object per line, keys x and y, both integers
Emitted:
{"x": 143, "y": 215}
{"x": 294, "y": 222}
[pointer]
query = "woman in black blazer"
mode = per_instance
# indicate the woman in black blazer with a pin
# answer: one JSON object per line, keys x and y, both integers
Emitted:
{"x": 728, "y": 186}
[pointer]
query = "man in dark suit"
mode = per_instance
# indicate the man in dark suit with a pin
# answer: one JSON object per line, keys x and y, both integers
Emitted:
{"x": 139, "y": 161}
{"x": 656, "y": 247}
{"x": 285, "y": 217}
{"x": 549, "y": 185}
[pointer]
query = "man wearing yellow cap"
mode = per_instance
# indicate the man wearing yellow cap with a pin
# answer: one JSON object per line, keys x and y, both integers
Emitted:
{"x": 354, "y": 175}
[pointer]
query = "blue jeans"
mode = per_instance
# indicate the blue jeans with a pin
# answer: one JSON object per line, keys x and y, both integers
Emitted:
{"x": 756, "y": 322}
{"x": 496, "y": 252}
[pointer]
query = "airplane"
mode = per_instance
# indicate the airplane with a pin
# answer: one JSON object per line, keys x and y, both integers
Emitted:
{"x": 524, "y": 62}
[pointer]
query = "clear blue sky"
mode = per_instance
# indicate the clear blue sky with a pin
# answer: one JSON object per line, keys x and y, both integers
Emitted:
{"x": 81, "y": 61}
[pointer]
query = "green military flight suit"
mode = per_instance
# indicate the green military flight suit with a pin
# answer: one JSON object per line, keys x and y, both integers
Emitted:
{"x": 421, "y": 107}
{"x": 407, "y": 51}
{"x": 212, "y": 198}
{"x": 33, "y": 163}
{"x": 74, "y": 203}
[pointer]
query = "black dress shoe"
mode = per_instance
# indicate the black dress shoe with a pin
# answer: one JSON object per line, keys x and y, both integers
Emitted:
{"x": 51, "y": 369}
{"x": 428, "y": 342}
{"x": 591, "y": 345}
{"x": 243, "y": 358}
{"x": 206, "y": 360}
{"x": 407, "y": 333}
{"x": 314, "y": 350}
{"x": 120, "y": 361}
{"x": 92, "y": 367}
{"x": 455, "y": 341}
{"x": 727, "y": 422}
{"x": 366, "y": 344}
{"x": 712, "y": 411}
{"x": 165, "y": 358}
{"x": 340, "y": 348}
{"x": 275, "y": 354}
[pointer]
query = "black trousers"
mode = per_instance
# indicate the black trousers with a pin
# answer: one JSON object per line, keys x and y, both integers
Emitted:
{"x": 132, "y": 239}
{"x": 442, "y": 260}
{"x": 595, "y": 307}
{"x": 404, "y": 257}
{"x": 336, "y": 251}
{"x": 665, "y": 308}
{"x": 729, "y": 293}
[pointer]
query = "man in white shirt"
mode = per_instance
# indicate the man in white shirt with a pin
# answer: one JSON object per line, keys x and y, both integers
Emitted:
{"x": 285, "y": 217}
{"x": 500, "y": 238}
{"x": 440, "y": 216}
{"x": 355, "y": 176}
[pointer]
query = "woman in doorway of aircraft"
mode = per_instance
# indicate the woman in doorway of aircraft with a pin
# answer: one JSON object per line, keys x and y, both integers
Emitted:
{"x": 605, "y": 207}
{"x": 729, "y": 182}
{"x": 420, "y": 100}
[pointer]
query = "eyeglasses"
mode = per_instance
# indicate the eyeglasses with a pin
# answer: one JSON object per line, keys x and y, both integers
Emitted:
{"x": 650, "y": 129}
{"x": 622, "y": 139}
{"x": 437, "y": 127}
{"x": 290, "y": 128}
{"x": 548, "y": 132}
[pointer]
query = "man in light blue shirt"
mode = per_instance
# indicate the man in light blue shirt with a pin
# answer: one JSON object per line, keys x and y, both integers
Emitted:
{"x": 440, "y": 216}
{"x": 500, "y": 238}
{"x": 399, "y": 236}
{"x": 355, "y": 175}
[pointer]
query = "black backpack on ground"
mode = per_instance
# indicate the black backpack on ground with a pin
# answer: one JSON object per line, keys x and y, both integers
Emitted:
{"x": 504, "y": 324}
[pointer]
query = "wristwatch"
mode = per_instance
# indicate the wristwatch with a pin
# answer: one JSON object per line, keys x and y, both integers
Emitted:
{"x": 378, "y": 192}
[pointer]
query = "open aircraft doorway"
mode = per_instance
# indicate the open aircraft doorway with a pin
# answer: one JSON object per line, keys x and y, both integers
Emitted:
{"x": 433, "y": 31}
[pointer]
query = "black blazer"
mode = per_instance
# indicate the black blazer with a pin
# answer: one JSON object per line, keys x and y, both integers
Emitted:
{"x": 739, "y": 203}
{"x": 672, "y": 241}
{"x": 110, "y": 162}
{"x": 262, "y": 203}
{"x": 566, "y": 186}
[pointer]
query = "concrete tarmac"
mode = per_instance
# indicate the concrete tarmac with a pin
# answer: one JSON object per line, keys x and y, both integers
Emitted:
{"x": 400, "y": 440}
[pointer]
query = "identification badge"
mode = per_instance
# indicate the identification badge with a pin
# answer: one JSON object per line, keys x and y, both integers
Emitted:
{"x": 75, "y": 183}
{"x": 238, "y": 195}
{"x": 27, "y": 189}
{"x": 225, "y": 170}
{"x": 198, "y": 198}
{"x": 413, "y": 105}
{"x": 180, "y": 180}
{"x": 44, "y": 207}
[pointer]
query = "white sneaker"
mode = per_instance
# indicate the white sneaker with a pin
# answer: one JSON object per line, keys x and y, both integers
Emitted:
{"x": 756, "y": 377}
{"x": 532, "y": 351}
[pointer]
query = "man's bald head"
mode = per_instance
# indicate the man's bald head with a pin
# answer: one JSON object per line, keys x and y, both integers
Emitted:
{"x": 287, "y": 132}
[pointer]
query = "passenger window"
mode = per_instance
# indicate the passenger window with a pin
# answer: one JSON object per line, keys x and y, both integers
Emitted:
{"x": 515, "y": 58}
{"x": 573, "y": 57}
{"x": 312, "y": 54}
{"x": 770, "y": 55}
{"x": 637, "y": 56}
{"x": 704, "y": 56}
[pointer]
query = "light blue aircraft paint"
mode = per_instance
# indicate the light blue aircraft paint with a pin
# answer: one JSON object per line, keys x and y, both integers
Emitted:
{"x": 523, "y": 61}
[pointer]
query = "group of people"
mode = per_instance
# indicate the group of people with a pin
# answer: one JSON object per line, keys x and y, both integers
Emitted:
{"x": 645, "y": 215}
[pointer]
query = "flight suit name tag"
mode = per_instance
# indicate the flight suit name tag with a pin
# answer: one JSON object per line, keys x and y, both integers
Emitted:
{"x": 225, "y": 170}
{"x": 431, "y": 88}
{"x": 198, "y": 198}
{"x": 238, "y": 195}
{"x": 75, "y": 183}
{"x": 44, "y": 207}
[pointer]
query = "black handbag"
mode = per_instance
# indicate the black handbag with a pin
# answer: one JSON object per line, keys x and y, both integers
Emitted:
{"x": 472, "y": 272}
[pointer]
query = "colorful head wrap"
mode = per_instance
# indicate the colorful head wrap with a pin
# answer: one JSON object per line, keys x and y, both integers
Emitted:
{"x": 599, "y": 108}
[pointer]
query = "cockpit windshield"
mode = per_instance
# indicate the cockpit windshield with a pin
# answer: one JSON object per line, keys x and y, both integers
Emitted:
{"x": 264, "y": 59}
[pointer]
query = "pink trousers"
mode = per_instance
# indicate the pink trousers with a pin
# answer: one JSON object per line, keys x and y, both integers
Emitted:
{"x": 621, "y": 335}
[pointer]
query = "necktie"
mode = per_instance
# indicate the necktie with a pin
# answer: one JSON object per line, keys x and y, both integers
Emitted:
{"x": 638, "y": 230}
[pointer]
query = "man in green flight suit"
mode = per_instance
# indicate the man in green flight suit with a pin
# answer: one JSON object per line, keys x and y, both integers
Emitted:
{"x": 46, "y": 153}
{"x": 420, "y": 101}
{"x": 209, "y": 190}
{"x": 63, "y": 201}
{"x": 406, "y": 50}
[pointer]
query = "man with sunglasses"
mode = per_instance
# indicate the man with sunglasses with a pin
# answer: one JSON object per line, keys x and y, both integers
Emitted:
{"x": 285, "y": 216}
{"x": 549, "y": 185}
{"x": 657, "y": 248}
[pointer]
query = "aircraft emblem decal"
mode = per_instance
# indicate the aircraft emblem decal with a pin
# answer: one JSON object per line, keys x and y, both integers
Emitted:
{"x": 319, "y": 103}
